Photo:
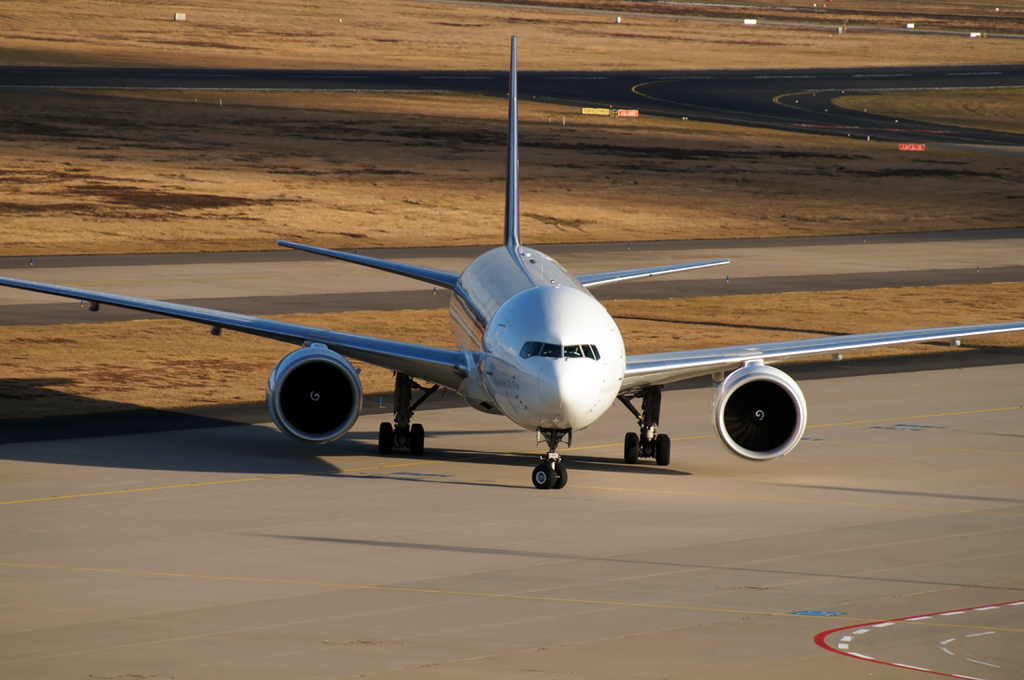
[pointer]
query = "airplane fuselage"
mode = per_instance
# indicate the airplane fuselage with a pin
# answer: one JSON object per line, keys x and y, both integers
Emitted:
{"x": 549, "y": 356}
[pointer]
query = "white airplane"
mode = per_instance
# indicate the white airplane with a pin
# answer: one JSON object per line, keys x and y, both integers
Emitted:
{"x": 533, "y": 345}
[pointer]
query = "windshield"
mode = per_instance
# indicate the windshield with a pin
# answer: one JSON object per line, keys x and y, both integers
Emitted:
{"x": 546, "y": 349}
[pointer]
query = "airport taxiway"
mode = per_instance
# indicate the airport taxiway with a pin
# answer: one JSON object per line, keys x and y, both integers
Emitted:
{"x": 275, "y": 283}
{"x": 780, "y": 99}
{"x": 235, "y": 552}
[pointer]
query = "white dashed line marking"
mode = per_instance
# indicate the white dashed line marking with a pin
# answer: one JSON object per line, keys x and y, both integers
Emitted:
{"x": 861, "y": 631}
{"x": 985, "y": 609}
{"x": 991, "y": 632}
{"x": 843, "y": 645}
{"x": 919, "y": 618}
{"x": 990, "y": 665}
{"x": 863, "y": 656}
{"x": 946, "y": 642}
{"x": 951, "y": 613}
{"x": 913, "y": 668}
{"x": 947, "y": 651}
{"x": 884, "y": 625}
{"x": 966, "y": 677}
{"x": 847, "y": 638}
{"x": 1015, "y": 604}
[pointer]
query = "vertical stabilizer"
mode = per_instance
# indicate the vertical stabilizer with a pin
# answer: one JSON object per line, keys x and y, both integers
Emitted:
{"x": 512, "y": 168}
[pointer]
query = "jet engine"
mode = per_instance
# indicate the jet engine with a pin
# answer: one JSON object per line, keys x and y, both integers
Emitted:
{"x": 759, "y": 412}
{"x": 314, "y": 394}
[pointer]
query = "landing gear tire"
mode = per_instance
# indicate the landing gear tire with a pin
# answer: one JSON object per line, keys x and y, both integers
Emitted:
{"x": 632, "y": 448}
{"x": 663, "y": 449}
{"x": 416, "y": 435}
{"x": 385, "y": 439}
{"x": 562, "y": 476}
{"x": 544, "y": 476}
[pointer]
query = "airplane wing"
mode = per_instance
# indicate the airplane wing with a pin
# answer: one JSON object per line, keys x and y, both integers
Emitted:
{"x": 647, "y": 370}
{"x": 591, "y": 280}
{"x": 436, "y": 277}
{"x": 441, "y": 366}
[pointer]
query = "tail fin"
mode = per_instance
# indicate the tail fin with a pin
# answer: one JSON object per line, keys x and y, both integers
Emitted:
{"x": 512, "y": 169}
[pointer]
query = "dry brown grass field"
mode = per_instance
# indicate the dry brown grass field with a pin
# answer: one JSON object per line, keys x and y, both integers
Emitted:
{"x": 88, "y": 368}
{"x": 554, "y": 35}
{"x": 998, "y": 110}
{"x": 108, "y": 173}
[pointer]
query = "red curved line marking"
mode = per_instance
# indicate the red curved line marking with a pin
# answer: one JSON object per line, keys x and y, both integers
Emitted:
{"x": 819, "y": 639}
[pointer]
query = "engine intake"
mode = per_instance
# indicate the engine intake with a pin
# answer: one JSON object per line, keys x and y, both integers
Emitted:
{"x": 759, "y": 412}
{"x": 314, "y": 394}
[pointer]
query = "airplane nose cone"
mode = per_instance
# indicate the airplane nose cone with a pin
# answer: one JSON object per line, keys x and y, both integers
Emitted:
{"x": 551, "y": 386}
{"x": 570, "y": 388}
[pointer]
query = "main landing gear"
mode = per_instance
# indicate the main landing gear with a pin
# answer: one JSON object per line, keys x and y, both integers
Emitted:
{"x": 404, "y": 435}
{"x": 551, "y": 473}
{"x": 649, "y": 444}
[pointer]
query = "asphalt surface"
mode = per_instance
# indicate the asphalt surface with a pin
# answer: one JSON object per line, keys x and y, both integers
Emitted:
{"x": 795, "y": 100}
{"x": 234, "y": 552}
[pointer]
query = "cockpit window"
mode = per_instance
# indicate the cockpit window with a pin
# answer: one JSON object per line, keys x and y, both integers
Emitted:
{"x": 529, "y": 350}
{"x": 553, "y": 351}
{"x": 544, "y": 349}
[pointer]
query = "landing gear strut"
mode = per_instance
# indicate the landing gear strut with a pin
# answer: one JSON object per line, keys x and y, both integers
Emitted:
{"x": 404, "y": 435}
{"x": 649, "y": 444}
{"x": 551, "y": 473}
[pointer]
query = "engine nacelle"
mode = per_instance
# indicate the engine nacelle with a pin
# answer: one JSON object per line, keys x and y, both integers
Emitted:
{"x": 314, "y": 394}
{"x": 759, "y": 412}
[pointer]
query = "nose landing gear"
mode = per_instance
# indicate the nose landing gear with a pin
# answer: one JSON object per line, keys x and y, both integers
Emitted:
{"x": 649, "y": 444}
{"x": 551, "y": 473}
{"x": 404, "y": 435}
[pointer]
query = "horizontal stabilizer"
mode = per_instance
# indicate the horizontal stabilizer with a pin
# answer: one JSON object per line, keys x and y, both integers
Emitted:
{"x": 436, "y": 277}
{"x": 590, "y": 280}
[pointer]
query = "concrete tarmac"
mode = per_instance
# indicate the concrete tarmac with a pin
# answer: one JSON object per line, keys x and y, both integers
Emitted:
{"x": 233, "y": 552}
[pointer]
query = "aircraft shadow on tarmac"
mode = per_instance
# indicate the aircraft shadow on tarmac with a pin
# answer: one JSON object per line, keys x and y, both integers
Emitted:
{"x": 915, "y": 494}
{"x": 677, "y": 564}
{"x": 246, "y": 448}
{"x": 594, "y": 463}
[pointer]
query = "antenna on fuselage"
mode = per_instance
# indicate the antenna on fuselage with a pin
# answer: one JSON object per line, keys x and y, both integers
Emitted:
{"x": 512, "y": 167}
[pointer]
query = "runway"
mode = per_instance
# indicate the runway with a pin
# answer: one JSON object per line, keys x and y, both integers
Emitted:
{"x": 282, "y": 282}
{"x": 234, "y": 552}
{"x": 794, "y": 100}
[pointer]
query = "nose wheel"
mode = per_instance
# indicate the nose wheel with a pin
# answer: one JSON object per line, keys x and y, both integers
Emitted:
{"x": 551, "y": 473}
